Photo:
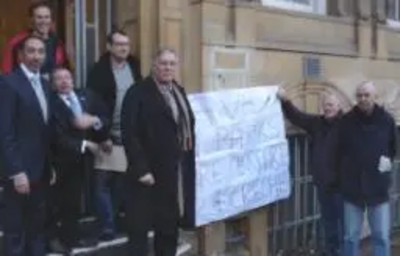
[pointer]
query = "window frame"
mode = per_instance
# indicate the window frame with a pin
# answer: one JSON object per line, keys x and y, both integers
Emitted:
{"x": 395, "y": 23}
{"x": 315, "y": 6}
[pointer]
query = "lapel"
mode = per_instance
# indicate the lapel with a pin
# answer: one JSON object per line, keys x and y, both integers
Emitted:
{"x": 132, "y": 62}
{"x": 24, "y": 87}
{"x": 66, "y": 108}
{"x": 158, "y": 99}
{"x": 62, "y": 106}
{"x": 109, "y": 76}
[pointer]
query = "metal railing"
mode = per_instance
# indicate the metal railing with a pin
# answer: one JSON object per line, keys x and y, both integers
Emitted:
{"x": 294, "y": 223}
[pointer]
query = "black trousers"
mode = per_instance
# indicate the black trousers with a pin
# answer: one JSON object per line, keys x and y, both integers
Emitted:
{"x": 65, "y": 204}
{"x": 146, "y": 210}
{"x": 23, "y": 221}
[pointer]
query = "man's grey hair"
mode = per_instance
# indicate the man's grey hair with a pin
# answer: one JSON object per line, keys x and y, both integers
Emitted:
{"x": 161, "y": 51}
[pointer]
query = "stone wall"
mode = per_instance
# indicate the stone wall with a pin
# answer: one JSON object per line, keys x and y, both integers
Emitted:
{"x": 248, "y": 44}
{"x": 245, "y": 44}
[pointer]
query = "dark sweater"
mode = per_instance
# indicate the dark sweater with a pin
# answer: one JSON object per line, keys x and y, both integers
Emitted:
{"x": 363, "y": 139}
{"x": 323, "y": 134}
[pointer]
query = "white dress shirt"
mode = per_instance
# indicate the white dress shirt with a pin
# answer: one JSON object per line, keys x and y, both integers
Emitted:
{"x": 35, "y": 80}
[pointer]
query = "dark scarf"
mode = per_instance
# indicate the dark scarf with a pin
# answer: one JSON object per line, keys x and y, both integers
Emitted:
{"x": 184, "y": 120}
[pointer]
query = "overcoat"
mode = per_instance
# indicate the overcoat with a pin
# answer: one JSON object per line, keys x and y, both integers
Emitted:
{"x": 150, "y": 139}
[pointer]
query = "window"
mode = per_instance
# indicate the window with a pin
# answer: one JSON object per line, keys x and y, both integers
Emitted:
{"x": 393, "y": 12}
{"x": 314, "y": 6}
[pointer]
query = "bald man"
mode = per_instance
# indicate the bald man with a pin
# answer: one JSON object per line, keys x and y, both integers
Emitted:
{"x": 365, "y": 151}
{"x": 321, "y": 129}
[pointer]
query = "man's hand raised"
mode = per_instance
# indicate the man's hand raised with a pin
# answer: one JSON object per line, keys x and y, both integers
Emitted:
{"x": 282, "y": 94}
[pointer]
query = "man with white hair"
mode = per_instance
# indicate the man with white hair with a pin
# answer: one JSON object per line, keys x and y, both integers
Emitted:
{"x": 365, "y": 150}
{"x": 322, "y": 131}
{"x": 157, "y": 128}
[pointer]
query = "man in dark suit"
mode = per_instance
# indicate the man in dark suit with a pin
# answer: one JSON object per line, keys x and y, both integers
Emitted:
{"x": 157, "y": 126}
{"x": 25, "y": 138}
{"x": 80, "y": 120}
{"x": 110, "y": 78}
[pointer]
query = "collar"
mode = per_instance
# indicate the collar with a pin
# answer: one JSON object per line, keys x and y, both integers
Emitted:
{"x": 118, "y": 66}
{"x": 66, "y": 96}
{"x": 163, "y": 86}
{"x": 63, "y": 96}
{"x": 29, "y": 73}
{"x": 376, "y": 113}
{"x": 362, "y": 113}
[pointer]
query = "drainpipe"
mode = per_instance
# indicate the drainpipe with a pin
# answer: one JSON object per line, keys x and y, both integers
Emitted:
{"x": 78, "y": 39}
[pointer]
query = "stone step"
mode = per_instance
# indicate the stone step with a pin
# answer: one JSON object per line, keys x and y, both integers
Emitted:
{"x": 115, "y": 247}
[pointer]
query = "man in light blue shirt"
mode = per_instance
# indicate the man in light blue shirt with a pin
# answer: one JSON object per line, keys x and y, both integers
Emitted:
{"x": 80, "y": 120}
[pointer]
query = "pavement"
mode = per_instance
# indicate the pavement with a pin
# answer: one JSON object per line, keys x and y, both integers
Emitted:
{"x": 188, "y": 248}
{"x": 395, "y": 247}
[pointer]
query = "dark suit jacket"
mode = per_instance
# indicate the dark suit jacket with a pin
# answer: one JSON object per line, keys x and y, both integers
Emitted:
{"x": 25, "y": 138}
{"x": 69, "y": 138}
{"x": 150, "y": 139}
{"x": 102, "y": 82}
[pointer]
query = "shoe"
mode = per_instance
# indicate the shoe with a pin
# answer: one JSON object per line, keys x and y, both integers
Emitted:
{"x": 56, "y": 246}
{"x": 84, "y": 243}
{"x": 183, "y": 247}
{"x": 107, "y": 236}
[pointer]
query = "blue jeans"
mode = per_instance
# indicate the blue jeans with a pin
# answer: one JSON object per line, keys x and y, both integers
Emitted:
{"x": 379, "y": 221}
{"x": 109, "y": 199}
{"x": 331, "y": 206}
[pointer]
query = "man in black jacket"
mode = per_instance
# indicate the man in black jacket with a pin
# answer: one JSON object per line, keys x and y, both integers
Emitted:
{"x": 80, "y": 121}
{"x": 365, "y": 151}
{"x": 110, "y": 78}
{"x": 322, "y": 130}
{"x": 157, "y": 127}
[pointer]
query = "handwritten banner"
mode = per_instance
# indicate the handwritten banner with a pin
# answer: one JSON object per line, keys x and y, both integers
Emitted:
{"x": 242, "y": 158}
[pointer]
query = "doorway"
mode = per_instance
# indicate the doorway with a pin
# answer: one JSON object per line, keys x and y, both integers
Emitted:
{"x": 86, "y": 30}
{"x": 14, "y": 18}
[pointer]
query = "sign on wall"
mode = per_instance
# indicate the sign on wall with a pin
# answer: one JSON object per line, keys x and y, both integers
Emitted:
{"x": 242, "y": 158}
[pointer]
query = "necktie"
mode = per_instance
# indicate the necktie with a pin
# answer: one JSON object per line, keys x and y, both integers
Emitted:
{"x": 74, "y": 105}
{"x": 37, "y": 86}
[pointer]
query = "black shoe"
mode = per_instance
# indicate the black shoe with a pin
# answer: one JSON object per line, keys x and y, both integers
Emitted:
{"x": 107, "y": 236}
{"x": 83, "y": 243}
{"x": 56, "y": 246}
